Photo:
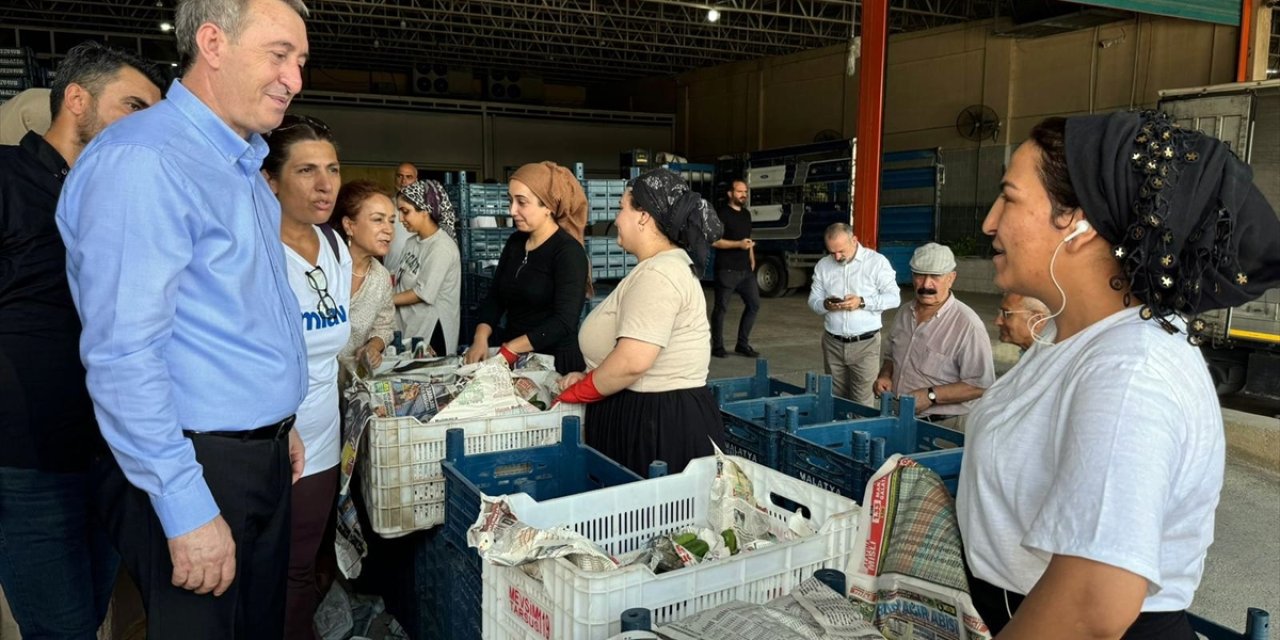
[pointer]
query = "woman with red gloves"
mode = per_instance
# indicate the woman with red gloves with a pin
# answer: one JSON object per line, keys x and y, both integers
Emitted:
{"x": 648, "y": 345}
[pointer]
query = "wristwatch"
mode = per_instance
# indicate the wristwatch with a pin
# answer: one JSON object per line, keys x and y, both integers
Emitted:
{"x": 862, "y": 303}
{"x": 933, "y": 396}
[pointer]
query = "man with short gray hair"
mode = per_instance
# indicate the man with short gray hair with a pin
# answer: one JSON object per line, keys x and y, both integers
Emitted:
{"x": 939, "y": 351}
{"x": 851, "y": 287}
{"x": 195, "y": 357}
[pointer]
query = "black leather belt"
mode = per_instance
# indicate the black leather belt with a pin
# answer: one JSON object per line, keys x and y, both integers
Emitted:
{"x": 269, "y": 432}
{"x": 866, "y": 336}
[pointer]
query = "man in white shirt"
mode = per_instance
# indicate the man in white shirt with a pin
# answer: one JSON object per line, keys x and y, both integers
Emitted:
{"x": 851, "y": 288}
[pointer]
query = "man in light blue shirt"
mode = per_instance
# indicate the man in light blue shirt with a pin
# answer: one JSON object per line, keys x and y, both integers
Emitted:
{"x": 194, "y": 356}
{"x": 851, "y": 287}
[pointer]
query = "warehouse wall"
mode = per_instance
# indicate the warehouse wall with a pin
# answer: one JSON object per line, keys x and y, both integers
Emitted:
{"x": 482, "y": 143}
{"x": 934, "y": 74}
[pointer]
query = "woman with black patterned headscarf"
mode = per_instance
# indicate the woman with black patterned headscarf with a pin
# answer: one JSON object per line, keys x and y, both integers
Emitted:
{"x": 1093, "y": 468}
{"x": 428, "y": 283}
{"x": 648, "y": 345}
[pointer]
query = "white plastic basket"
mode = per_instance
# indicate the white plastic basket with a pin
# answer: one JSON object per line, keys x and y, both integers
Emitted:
{"x": 402, "y": 482}
{"x": 583, "y": 605}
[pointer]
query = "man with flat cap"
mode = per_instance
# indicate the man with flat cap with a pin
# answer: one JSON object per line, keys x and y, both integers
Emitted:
{"x": 939, "y": 351}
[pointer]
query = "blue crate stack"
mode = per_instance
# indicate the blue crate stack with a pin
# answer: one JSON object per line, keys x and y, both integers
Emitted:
{"x": 19, "y": 72}
{"x": 479, "y": 247}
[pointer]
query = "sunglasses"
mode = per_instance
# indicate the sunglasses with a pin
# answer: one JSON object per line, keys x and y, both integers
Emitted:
{"x": 291, "y": 121}
{"x": 1009, "y": 313}
{"x": 327, "y": 307}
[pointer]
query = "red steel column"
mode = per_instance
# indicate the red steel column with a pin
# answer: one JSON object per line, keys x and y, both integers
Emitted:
{"x": 1246, "y": 39}
{"x": 866, "y": 187}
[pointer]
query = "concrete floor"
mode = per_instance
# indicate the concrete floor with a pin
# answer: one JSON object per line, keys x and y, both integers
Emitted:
{"x": 1243, "y": 566}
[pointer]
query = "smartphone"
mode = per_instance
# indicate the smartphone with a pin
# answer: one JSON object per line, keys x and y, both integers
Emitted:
{"x": 835, "y": 300}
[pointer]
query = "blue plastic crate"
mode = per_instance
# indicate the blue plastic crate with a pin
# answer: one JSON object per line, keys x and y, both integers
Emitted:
{"x": 842, "y": 456}
{"x": 752, "y": 427}
{"x": 409, "y": 574}
{"x": 759, "y": 385}
{"x": 545, "y": 473}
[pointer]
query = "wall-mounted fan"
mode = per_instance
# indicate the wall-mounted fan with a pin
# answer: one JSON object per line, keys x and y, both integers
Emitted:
{"x": 978, "y": 122}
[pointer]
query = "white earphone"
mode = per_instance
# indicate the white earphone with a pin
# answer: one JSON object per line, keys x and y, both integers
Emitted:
{"x": 1081, "y": 227}
{"x": 1036, "y": 321}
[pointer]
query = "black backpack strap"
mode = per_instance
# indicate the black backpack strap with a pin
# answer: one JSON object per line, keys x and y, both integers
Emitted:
{"x": 333, "y": 240}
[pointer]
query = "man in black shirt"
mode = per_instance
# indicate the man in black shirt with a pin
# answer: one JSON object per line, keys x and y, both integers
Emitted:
{"x": 735, "y": 272}
{"x": 56, "y": 566}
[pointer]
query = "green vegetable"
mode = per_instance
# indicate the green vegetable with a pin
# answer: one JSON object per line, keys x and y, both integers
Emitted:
{"x": 684, "y": 539}
{"x": 697, "y": 547}
{"x": 730, "y": 540}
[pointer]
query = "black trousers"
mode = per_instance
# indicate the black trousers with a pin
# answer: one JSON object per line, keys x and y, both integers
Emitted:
{"x": 250, "y": 480}
{"x": 744, "y": 284}
{"x": 990, "y": 602}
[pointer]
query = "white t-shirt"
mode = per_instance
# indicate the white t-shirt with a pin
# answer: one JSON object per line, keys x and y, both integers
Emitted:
{"x": 318, "y": 418}
{"x": 1107, "y": 446}
{"x": 432, "y": 268}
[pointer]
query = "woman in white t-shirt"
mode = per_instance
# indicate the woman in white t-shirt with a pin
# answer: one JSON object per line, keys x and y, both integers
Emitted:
{"x": 648, "y": 344}
{"x": 428, "y": 287}
{"x": 1093, "y": 468}
{"x": 302, "y": 170}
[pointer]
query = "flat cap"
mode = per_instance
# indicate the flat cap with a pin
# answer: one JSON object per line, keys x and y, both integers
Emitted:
{"x": 933, "y": 259}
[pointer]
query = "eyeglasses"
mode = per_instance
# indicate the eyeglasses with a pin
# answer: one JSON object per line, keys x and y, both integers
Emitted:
{"x": 1008, "y": 313}
{"x": 327, "y": 307}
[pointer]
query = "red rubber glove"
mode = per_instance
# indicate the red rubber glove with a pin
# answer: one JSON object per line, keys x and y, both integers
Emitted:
{"x": 582, "y": 392}
{"x": 508, "y": 355}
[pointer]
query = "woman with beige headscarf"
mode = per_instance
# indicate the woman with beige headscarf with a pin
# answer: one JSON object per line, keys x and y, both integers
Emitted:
{"x": 543, "y": 275}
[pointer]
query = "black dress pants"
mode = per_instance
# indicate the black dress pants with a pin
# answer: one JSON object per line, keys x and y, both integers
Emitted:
{"x": 726, "y": 284}
{"x": 250, "y": 480}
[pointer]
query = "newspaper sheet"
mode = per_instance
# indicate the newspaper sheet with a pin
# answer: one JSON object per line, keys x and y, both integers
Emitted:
{"x": 907, "y": 573}
{"x": 505, "y": 541}
{"x": 812, "y": 611}
{"x": 349, "y": 544}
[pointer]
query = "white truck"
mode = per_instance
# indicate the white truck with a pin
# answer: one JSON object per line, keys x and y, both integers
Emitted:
{"x": 1243, "y": 351}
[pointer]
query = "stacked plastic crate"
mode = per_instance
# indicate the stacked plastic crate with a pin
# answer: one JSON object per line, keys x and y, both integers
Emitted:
{"x": 608, "y": 260}
{"x": 18, "y": 72}
{"x": 827, "y": 441}
{"x": 542, "y": 473}
{"x": 484, "y": 224}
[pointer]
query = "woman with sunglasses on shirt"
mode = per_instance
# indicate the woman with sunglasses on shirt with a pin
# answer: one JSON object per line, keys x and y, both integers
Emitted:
{"x": 302, "y": 170}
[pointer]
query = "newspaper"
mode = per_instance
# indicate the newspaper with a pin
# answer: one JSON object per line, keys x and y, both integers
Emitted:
{"x": 488, "y": 393}
{"x": 812, "y": 611}
{"x": 733, "y": 506}
{"x": 349, "y": 544}
{"x": 907, "y": 573}
{"x": 503, "y": 540}
{"x": 425, "y": 389}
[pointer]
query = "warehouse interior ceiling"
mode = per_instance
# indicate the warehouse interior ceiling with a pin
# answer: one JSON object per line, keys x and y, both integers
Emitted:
{"x": 578, "y": 42}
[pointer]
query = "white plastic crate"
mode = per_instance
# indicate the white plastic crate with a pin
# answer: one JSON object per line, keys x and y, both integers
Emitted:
{"x": 584, "y": 605}
{"x": 402, "y": 482}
